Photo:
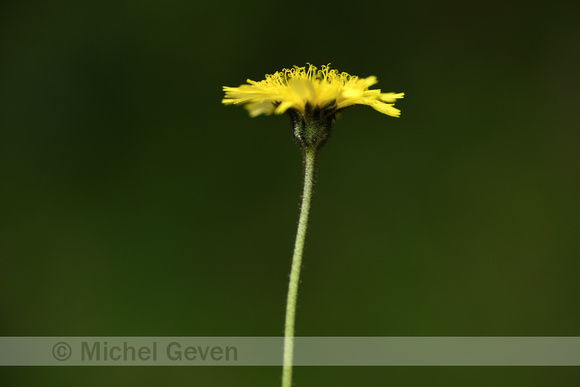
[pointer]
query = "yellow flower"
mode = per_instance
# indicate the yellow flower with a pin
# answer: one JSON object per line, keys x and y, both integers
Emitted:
{"x": 312, "y": 98}
{"x": 301, "y": 90}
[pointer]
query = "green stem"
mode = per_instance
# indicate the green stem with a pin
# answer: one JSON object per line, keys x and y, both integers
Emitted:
{"x": 309, "y": 159}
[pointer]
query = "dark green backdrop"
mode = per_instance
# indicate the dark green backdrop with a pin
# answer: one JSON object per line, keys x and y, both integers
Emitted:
{"x": 132, "y": 203}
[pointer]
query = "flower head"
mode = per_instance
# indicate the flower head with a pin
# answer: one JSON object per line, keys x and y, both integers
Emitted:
{"x": 311, "y": 97}
{"x": 298, "y": 87}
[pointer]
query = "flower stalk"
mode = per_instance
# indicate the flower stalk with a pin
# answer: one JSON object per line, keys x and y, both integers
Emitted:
{"x": 309, "y": 161}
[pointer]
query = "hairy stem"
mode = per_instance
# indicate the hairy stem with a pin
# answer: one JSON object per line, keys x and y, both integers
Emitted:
{"x": 309, "y": 159}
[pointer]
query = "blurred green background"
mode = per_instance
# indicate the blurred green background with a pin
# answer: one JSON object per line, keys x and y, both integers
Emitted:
{"x": 134, "y": 204}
